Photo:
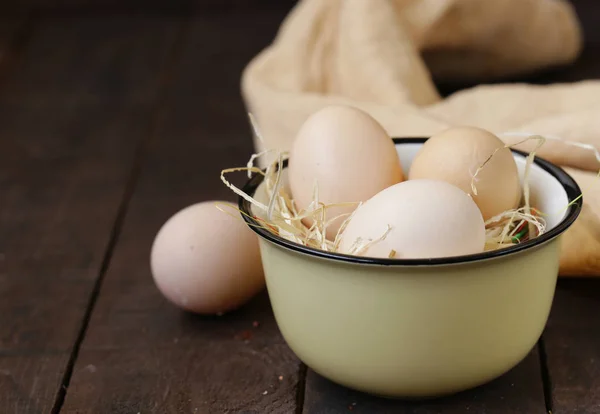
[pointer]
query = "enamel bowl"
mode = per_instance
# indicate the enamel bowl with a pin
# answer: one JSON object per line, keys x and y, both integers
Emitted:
{"x": 422, "y": 327}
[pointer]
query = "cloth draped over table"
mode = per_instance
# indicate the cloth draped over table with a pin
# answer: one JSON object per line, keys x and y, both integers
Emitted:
{"x": 383, "y": 56}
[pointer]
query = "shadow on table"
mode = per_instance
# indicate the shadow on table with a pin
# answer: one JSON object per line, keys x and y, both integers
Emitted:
{"x": 519, "y": 390}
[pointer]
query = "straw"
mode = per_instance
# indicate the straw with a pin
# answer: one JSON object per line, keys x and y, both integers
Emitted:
{"x": 281, "y": 216}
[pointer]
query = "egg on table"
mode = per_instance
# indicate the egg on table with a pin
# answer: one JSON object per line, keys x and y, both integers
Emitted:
{"x": 348, "y": 155}
{"x": 454, "y": 155}
{"x": 206, "y": 261}
{"x": 425, "y": 218}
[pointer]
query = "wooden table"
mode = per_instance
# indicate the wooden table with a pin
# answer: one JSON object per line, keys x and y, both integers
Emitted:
{"x": 115, "y": 115}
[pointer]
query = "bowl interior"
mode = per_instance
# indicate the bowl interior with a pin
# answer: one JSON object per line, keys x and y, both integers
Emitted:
{"x": 551, "y": 191}
{"x": 546, "y": 193}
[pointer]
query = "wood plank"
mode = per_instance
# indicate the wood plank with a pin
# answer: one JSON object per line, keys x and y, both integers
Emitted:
{"x": 572, "y": 346}
{"x": 71, "y": 118}
{"x": 518, "y": 391}
{"x": 14, "y": 31}
{"x": 9, "y": 29}
{"x": 101, "y": 61}
{"x": 63, "y": 7}
{"x": 140, "y": 350}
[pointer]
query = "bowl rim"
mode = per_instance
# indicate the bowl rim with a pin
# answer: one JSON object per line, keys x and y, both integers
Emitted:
{"x": 570, "y": 186}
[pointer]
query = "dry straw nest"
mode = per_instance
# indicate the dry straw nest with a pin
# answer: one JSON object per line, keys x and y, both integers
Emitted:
{"x": 281, "y": 216}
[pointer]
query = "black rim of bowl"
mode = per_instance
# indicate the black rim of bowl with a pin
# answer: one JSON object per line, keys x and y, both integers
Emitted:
{"x": 568, "y": 183}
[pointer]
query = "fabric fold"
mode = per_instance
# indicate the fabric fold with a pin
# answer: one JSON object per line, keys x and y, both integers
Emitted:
{"x": 383, "y": 56}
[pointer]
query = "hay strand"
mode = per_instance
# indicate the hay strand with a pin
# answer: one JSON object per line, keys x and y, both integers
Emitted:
{"x": 281, "y": 216}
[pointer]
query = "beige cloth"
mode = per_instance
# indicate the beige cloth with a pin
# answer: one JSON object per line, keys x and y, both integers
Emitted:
{"x": 382, "y": 56}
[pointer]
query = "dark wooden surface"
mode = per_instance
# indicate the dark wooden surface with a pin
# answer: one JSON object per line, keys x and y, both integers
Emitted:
{"x": 108, "y": 117}
{"x": 175, "y": 362}
{"x": 519, "y": 391}
{"x": 572, "y": 347}
{"x": 68, "y": 145}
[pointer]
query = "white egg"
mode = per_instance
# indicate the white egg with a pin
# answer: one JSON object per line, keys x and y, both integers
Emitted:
{"x": 348, "y": 155}
{"x": 206, "y": 261}
{"x": 427, "y": 218}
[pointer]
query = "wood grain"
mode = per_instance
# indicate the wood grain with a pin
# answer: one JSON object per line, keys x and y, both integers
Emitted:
{"x": 71, "y": 118}
{"x": 572, "y": 346}
{"x": 82, "y": 99}
{"x": 518, "y": 391}
{"x": 156, "y": 7}
{"x": 147, "y": 355}
{"x": 10, "y": 28}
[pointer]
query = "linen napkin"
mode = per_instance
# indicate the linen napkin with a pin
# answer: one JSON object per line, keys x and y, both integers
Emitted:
{"x": 383, "y": 56}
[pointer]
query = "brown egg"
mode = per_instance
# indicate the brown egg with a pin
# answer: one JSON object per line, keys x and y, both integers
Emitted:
{"x": 348, "y": 154}
{"x": 455, "y": 154}
{"x": 206, "y": 261}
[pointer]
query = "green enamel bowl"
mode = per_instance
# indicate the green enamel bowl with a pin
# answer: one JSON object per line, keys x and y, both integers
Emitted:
{"x": 418, "y": 328}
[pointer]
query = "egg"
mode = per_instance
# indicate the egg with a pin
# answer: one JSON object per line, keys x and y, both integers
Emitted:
{"x": 205, "y": 261}
{"x": 426, "y": 218}
{"x": 455, "y": 154}
{"x": 347, "y": 154}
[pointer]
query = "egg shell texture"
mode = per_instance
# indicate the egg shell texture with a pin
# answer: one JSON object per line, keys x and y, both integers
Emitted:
{"x": 455, "y": 154}
{"x": 206, "y": 261}
{"x": 428, "y": 219}
{"x": 348, "y": 154}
